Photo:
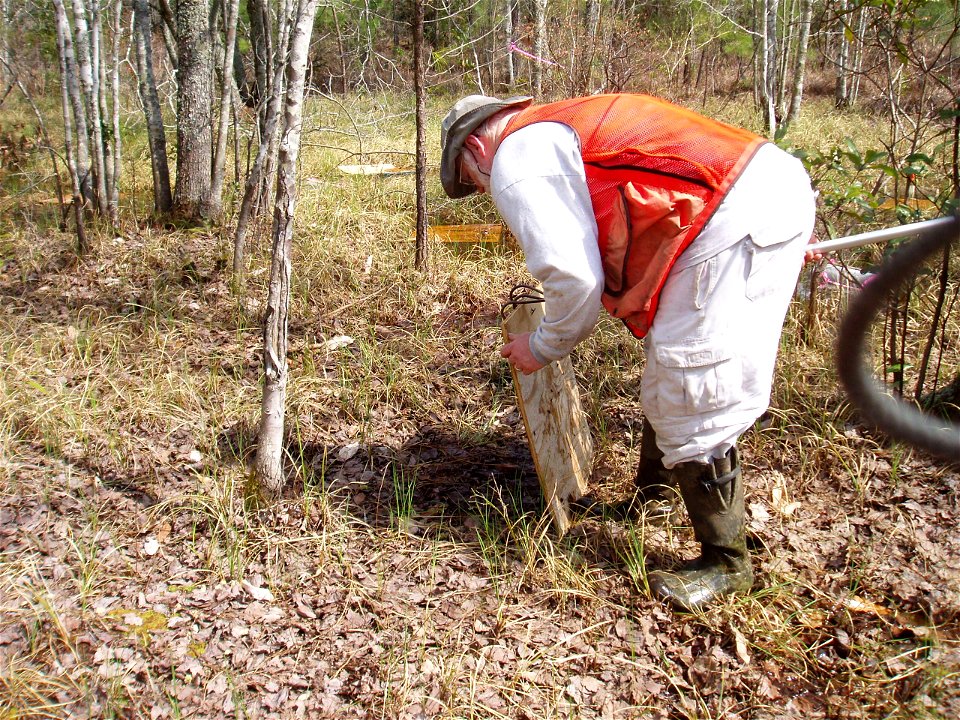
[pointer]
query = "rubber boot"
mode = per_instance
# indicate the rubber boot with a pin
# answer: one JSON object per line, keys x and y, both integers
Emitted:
{"x": 713, "y": 494}
{"x": 655, "y": 497}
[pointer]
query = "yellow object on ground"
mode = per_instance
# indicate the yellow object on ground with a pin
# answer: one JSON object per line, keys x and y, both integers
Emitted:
{"x": 375, "y": 169}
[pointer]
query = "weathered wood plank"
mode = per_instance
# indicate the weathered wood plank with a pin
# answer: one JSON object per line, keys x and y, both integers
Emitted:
{"x": 556, "y": 426}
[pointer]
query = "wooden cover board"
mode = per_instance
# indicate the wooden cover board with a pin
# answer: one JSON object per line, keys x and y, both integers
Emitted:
{"x": 374, "y": 169}
{"x": 557, "y": 432}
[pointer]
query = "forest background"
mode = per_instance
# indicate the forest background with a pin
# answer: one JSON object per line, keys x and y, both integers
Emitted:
{"x": 259, "y": 457}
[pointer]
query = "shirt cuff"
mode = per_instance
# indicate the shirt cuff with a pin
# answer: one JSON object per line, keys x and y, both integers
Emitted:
{"x": 538, "y": 354}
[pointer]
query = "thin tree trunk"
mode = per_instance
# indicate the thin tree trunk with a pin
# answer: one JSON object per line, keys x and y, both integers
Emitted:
{"x": 757, "y": 59}
{"x": 539, "y": 44}
{"x": 508, "y": 30}
{"x": 67, "y": 108}
{"x": 785, "y": 42}
{"x": 71, "y": 83}
{"x": 90, "y": 86}
{"x": 841, "y": 91}
{"x": 269, "y": 462}
{"x": 14, "y": 80}
{"x": 215, "y": 201}
{"x": 856, "y": 65}
{"x": 156, "y": 136}
{"x": 770, "y": 65}
{"x": 169, "y": 31}
{"x": 102, "y": 89}
{"x": 117, "y": 141}
{"x": 934, "y": 323}
{"x": 423, "y": 248}
{"x": 591, "y": 19}
{"x": 340, "y": 50}
{"x": 252, "y": 189}
{"x": 800, "y": 62}
{"x": 263, "y": 61}
{"x": 194, "y": 87}
{"x": 6, "y": 75}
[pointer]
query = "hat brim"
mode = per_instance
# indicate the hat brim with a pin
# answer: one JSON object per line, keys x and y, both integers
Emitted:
{"x": 457, "y": 134}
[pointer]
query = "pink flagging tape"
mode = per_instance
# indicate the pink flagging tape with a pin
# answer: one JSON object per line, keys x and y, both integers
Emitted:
{"x": 512, "y": 47}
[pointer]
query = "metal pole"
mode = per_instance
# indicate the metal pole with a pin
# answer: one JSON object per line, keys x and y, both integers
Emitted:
{"x": 920, "y": 229}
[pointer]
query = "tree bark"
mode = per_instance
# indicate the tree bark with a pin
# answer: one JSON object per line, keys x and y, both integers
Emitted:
{"x": 215, "y": 201}
{"x": 423, "y": 248}
{"x": 66, "y": 102}
{"x": 263, "y": 63}
{"x": 269, "y": 461}
{"x": 856, "y": 63}
{"x": 143, "y": 34}
{"x": 800, "y": 62}
{"x": 90, "y": 88}
{"x": 252, "y": 188}
{"x": 71, "y": 82}
{"x": 588, "y": 45}
{"x": 116, "y": 144}
{"x": 168, "y": 28}
{"x": 508, "y": 31}
{"x": 770, "y": 65}
{"x": 841, "y": 93}
{"x": 539, "y": 44}
{"x": 194, "y": 87}
{"x": 6, "y": 76}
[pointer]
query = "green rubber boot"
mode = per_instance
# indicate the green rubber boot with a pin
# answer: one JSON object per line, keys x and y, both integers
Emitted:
{"x": 713, "y": 494}
{"x": 656, "y": 497}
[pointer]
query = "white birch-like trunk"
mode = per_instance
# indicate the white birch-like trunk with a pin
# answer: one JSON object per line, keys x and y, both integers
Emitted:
{"x": 115, "y": 110}
{"x": 67, "y": 107}
{"x": 86, "y": 53}
{"x": 841, "y": 91}
{"x": 858, "y": 55}
{"x": 215, "y": 201}
{"x": 105, "y": 94}
{"x": 785, "y": 42}
{"x": 251, "y": 193}
{"x": 269, "y": 461}
{"x": 71, "y": 82}
{"x": 800, "y": 61}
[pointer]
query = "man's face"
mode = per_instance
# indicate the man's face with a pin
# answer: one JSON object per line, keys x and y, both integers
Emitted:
{"x": 470, "y": 171}
{"x": 476, "y": 158}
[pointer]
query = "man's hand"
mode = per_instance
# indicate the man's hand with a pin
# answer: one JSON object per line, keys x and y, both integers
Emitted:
{"x": 812, "y": 255}
{"x": 517, "y": 351}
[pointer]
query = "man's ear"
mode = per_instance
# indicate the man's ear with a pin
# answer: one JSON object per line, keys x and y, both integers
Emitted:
{"x": 479, "y": 147}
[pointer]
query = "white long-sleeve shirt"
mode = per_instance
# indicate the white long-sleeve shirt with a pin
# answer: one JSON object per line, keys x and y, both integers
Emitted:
{"x": 537, "y": 182}
{"x": 539, "y": 186}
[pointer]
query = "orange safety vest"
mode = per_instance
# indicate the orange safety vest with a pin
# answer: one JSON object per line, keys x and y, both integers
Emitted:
{"x": 656, "y": 172}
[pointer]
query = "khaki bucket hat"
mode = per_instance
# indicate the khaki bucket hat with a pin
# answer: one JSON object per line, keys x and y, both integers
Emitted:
{"x": 465, "y": 117}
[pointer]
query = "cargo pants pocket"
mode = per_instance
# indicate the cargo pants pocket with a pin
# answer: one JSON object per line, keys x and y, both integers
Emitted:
{"x": 696, "y": 378}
